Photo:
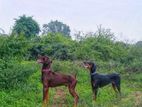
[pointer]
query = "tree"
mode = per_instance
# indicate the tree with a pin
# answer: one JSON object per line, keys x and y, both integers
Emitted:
{"x": 26, "y": 26}
{"x": 56, "y": 27}
{"x": 139, "y": 43}
{"x": 105, "y": 33}
{"x": 2, "y": 31}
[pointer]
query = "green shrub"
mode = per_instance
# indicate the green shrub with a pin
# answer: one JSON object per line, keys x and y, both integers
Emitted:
{"x": 13, "y": 74}
{"x": 13, "y": 47}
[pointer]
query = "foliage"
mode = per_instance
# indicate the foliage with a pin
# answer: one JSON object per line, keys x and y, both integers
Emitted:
{"x": 139, "y": 43}
{"x": 2, "y": 31}
{"x": 20, "y": 82}
{"x": 105, "y": 33}
{"x": 13, "y": 74}
{"x": 54, "y": 45}
{"x": 29, "y": 94}
{"x": 134, "y": 59}
{"x": 26, "y": 26}
{"x": 13, "y": 47}
{"x": 95, "y": 48}
{"x": 20, "y": 79}
{"x": 56, "y": 27}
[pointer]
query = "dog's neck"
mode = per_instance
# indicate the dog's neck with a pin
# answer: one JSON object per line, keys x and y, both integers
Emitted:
{"x": 92, "y": 74}
{"x": 93, "y": 70}
{"x": 46, "y": 68}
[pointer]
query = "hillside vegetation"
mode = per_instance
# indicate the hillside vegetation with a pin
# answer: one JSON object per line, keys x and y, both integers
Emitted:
{"x": 20, "y": 84}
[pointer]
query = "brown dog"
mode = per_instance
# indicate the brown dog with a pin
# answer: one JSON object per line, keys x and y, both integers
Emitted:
{"x": 53, "y": 79}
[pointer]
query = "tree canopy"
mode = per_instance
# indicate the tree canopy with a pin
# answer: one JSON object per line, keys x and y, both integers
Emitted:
{"x": 56, "y": 27}
{"x": 26, "y": 26}
{"x": 1, "y": 31}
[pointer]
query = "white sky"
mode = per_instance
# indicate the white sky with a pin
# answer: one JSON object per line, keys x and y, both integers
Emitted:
{"x": 123, "y": 17}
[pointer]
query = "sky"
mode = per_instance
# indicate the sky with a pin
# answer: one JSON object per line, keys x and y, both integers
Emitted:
{"x": 123, "y": 17}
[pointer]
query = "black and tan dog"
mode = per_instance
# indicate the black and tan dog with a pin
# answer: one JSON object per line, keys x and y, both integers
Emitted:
{"x": 99, "y": 80}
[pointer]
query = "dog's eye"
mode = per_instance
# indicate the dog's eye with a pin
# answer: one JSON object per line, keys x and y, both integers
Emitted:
{"x": 43, "y": 58}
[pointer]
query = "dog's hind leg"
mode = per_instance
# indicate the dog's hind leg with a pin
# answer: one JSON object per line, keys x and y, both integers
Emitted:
{"x": 114, "y": 87}
{"x": 71, "y": 88}
{"x": 115, "y": 78}
{"x": 118, "y": 87}
{"x": 117, "y": 84}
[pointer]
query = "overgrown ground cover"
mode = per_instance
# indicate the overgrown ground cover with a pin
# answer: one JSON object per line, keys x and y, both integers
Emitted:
{"x": 30, "y": 93}
{"x": 20, "y": 84}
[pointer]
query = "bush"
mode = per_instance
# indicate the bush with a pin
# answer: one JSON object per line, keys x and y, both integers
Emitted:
{"x": 13, "y": 47}
{"x": 13, "y": 74}
{"x": 56, "y": 46}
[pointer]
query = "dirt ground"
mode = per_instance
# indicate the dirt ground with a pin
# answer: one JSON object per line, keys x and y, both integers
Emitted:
{"x": 59, "y": 99}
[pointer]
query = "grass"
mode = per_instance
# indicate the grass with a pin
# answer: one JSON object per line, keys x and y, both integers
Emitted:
{"x": 30, "y": 93}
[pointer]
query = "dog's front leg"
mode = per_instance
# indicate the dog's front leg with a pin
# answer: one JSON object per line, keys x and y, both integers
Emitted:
{"x": 45, "y": 95}
{"x": 95, "y": 87}
{"x": 95, "y": 91}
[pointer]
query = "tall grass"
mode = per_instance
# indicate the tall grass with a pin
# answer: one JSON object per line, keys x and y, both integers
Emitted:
{"x": 30, "y": 93}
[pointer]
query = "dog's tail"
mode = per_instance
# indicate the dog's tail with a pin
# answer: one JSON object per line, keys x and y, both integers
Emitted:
{"x": 74, "y": 75}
